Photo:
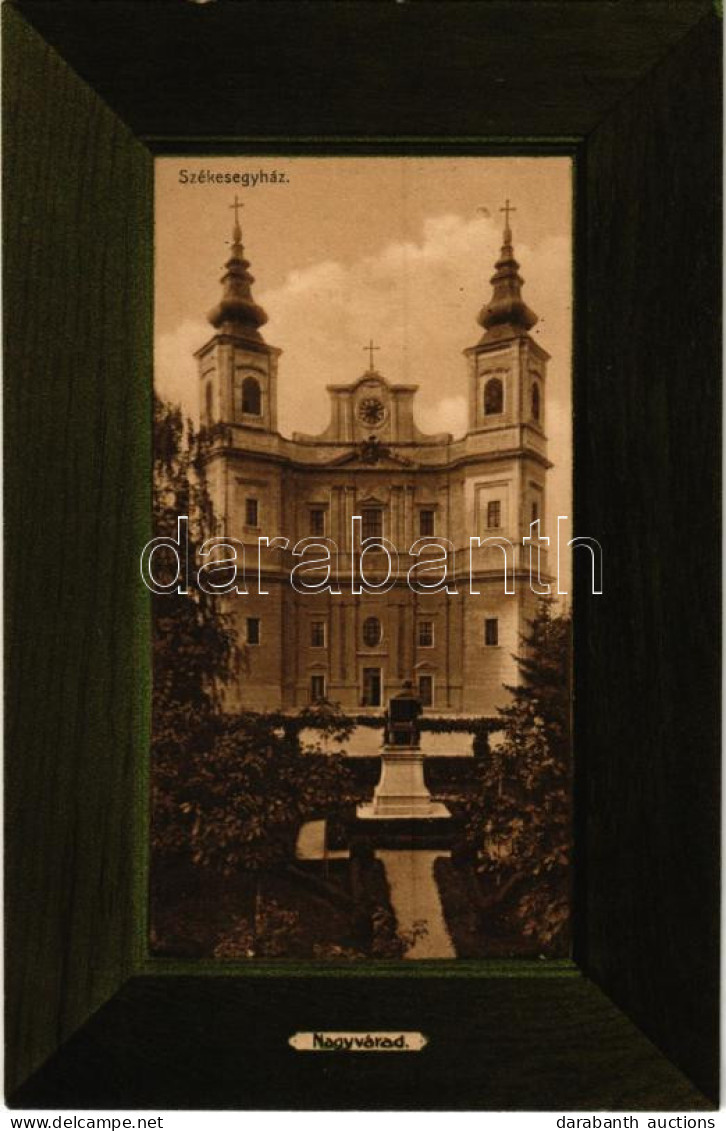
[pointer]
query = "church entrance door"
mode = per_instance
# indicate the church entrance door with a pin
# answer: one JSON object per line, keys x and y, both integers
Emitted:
{"x": 371, "y": 687}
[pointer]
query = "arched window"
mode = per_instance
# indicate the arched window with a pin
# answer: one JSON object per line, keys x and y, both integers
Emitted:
{"x": 535, "y": 401}
{"x": 251, "y": 397}
{"x": 209, "y": 402}
{"x": 371, "y": 632}
{"x": 493, "y": 397}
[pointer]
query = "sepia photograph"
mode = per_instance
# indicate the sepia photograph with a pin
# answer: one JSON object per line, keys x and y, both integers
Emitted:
{"x": 362, "y": 402}
{"x": 362, "y": 452}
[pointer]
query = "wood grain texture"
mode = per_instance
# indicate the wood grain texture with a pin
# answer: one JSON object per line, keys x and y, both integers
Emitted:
{"x": 77, "y": 279}
{"x": 479, "y": 68}
{"x": 648, "y": 487}
{"x": 641, "y": 82}
{"x": 495, "y": 1043}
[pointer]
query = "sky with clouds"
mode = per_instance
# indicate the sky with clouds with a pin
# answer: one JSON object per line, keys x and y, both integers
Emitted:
{"x": 400, "y": 249}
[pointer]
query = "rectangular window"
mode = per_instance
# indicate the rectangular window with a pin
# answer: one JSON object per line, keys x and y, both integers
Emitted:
{"x": 494, "y": 514}
{"x": 425, "y": 634}
{"x": 317, "y": 634}
{"x": 426, "y": 690}
{"x": 535, "y": 511}
{"x": 491, "y": 632}
{"x": 371, "y": 523}
{"x": 252, "y": 513}
{"x": 317, "y": 688}
{"x": 426, "y": 523}
{"x": 317, "y": 521}
{"x": 371, "y": 687}
{"x": 253, "y": 630}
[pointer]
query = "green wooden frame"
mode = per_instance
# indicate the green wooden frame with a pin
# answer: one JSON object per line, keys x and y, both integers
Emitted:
{"x": 92, "y": 92}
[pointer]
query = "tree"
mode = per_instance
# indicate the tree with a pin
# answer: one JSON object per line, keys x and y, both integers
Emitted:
{"x": 246, "y": 794}
{"x": 519, "y": 819}
{"x": 193, "y": 648}
{"x": 228, "y": 792}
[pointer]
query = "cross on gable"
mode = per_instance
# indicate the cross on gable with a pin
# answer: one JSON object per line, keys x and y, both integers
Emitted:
{"x": 371, "y": 348}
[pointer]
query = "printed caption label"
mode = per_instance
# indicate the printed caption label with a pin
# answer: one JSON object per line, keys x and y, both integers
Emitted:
{"x": 358, "y": 1042}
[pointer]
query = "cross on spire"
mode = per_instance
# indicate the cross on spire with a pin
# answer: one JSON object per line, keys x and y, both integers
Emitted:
{"x": 371, "y": 348}
{"x": 237, "y": 235}
{"x": 506, "y": 210}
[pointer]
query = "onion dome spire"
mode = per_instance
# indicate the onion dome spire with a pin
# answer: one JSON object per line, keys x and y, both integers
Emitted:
{"x": 506, "y": 307}
{"x": 237, "y": 312}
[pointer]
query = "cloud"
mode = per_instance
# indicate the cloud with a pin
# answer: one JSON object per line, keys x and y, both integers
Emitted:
{"x": 175, "y": 367}
{"x": 446, "y": 415}
{"x": 418, "y": 299}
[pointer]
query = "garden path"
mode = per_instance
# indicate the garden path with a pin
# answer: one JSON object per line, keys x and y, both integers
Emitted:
{"x": 414, "y": 893}
{"x": 415, "y": 899}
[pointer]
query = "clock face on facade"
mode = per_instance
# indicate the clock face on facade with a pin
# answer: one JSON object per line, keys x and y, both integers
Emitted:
{"x": 371, "y": 412}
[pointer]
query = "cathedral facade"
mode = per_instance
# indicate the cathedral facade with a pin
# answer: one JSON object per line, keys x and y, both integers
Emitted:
{"x": 302, "y": 640}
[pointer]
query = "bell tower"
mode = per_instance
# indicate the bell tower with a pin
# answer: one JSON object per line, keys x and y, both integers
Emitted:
{"x": 237, "y": 369}
{"x": 507, "y": 368}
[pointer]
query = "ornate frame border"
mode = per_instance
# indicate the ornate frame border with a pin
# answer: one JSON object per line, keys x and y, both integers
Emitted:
{"x": 93, "y": 91}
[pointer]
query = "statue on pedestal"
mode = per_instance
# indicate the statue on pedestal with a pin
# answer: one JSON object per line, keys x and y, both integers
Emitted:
{"x": 401, "y": 792}
{"x": 402, "y": 726}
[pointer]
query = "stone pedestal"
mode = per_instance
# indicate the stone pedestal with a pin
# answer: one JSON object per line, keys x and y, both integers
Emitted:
{"x": 401, "y": 792}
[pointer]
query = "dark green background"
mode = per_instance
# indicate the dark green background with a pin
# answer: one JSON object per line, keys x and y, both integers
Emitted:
{"x": 92, "y": 92}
